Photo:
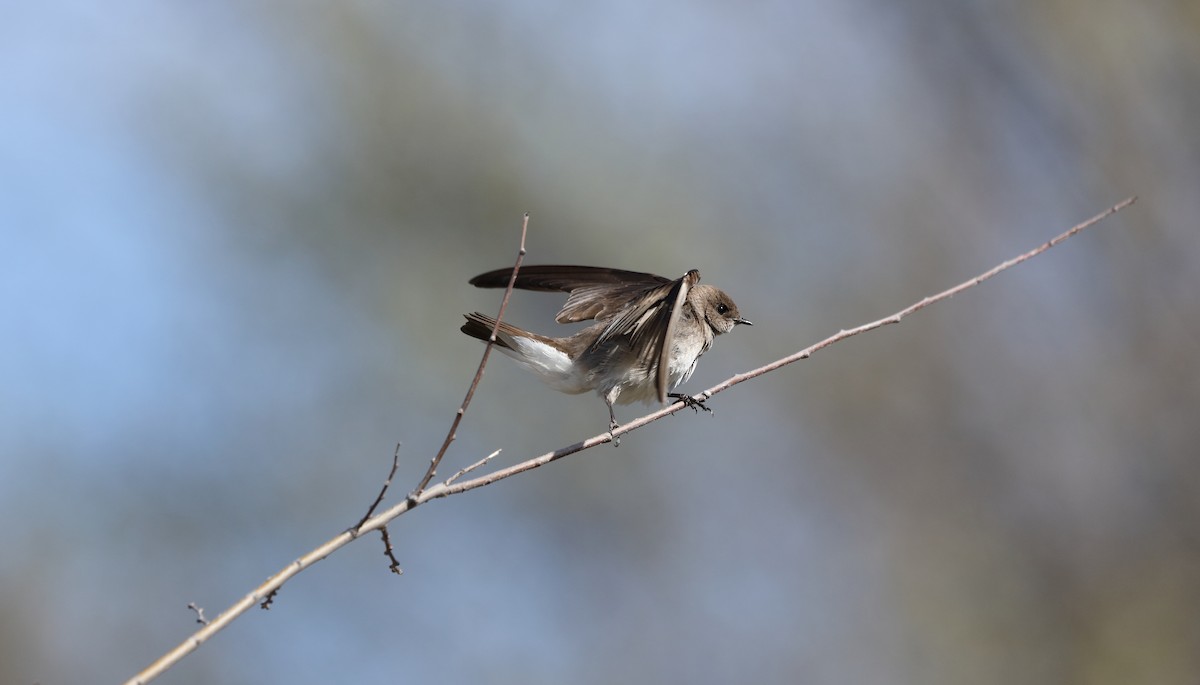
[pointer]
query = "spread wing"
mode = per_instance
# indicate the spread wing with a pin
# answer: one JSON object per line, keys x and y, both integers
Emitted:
{"x": 593, "y": 292}
{"x": 642, "y": 307}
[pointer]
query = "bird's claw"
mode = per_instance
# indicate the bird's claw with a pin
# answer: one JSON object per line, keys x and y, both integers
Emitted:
{"x": 689, "y": 401}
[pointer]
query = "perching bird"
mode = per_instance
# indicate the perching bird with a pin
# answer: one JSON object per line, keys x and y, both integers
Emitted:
{"x": 648, "y": 335}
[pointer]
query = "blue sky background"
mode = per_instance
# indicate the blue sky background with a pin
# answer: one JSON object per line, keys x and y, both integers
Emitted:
{"x": 234, "y": 246}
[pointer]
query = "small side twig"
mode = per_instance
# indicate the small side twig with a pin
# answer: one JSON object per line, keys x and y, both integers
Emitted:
{"x": 387, "y": 483}
{"x": 487, "y": 350}
{"x": 390, "y": 552}
{"x": 472, "y": 467}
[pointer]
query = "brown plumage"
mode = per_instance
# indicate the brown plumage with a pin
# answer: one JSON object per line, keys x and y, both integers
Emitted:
{"x": 648, "y": 335}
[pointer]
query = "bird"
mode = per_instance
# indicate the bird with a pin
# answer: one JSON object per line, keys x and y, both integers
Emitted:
{"x": 649, "y": 333}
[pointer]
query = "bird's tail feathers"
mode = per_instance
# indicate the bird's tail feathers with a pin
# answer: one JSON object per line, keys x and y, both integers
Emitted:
{"x": 481, "y": 325}
{"x": 544, "y": 356}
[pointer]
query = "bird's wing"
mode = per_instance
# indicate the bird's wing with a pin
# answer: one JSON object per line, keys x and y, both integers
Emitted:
{"x": 650, "y": 322}
{"x": 593, "y": 292}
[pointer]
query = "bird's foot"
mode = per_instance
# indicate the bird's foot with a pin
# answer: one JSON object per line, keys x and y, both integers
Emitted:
{"x": 613, "y": 426}
{"x": 690, "y": 401}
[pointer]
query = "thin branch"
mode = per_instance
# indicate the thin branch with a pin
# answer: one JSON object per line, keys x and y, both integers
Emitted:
{"x": 917, "y": 306}
{"x": 453, "y": 432}
{"x": 472, "y": 467}
{"x": 451, "y": 487}
{"x": 387, "y": 483}
{"x": 807, "y": 352}
{"x": 390, "y": 552}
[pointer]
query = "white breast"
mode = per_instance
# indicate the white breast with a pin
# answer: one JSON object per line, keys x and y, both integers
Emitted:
{"x": 683, "y": 361}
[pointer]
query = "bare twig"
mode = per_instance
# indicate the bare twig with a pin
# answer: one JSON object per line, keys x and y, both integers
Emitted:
{"x": 453, "y": 432}
{"x": 425, "y": 492}
{"x": 472, "y": 467}
{"x": 917, "y": 306}
{"x": 390, "y": 552}
{"x": 387, "y": 483}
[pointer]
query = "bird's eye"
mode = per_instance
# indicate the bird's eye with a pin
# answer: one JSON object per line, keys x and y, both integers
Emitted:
{"x": 721, "y": 308}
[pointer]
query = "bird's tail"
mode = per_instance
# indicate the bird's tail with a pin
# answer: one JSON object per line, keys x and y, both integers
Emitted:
{"x": 544, "y": 356}
{"x": 480, "y": 326}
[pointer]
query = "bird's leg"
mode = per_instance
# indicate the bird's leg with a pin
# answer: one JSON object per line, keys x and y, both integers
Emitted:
{"x": 612, "y": 424}
{"x": 690, "y": 401}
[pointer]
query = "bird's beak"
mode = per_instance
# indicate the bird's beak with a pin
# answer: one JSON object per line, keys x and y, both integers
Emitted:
{"x": 737, "y": 321}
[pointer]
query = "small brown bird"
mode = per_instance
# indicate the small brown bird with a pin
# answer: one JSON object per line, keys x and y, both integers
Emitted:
{"x": 649, "y": 331}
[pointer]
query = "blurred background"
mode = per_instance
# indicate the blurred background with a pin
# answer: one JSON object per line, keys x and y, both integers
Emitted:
{"x": 235, "y": 240}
